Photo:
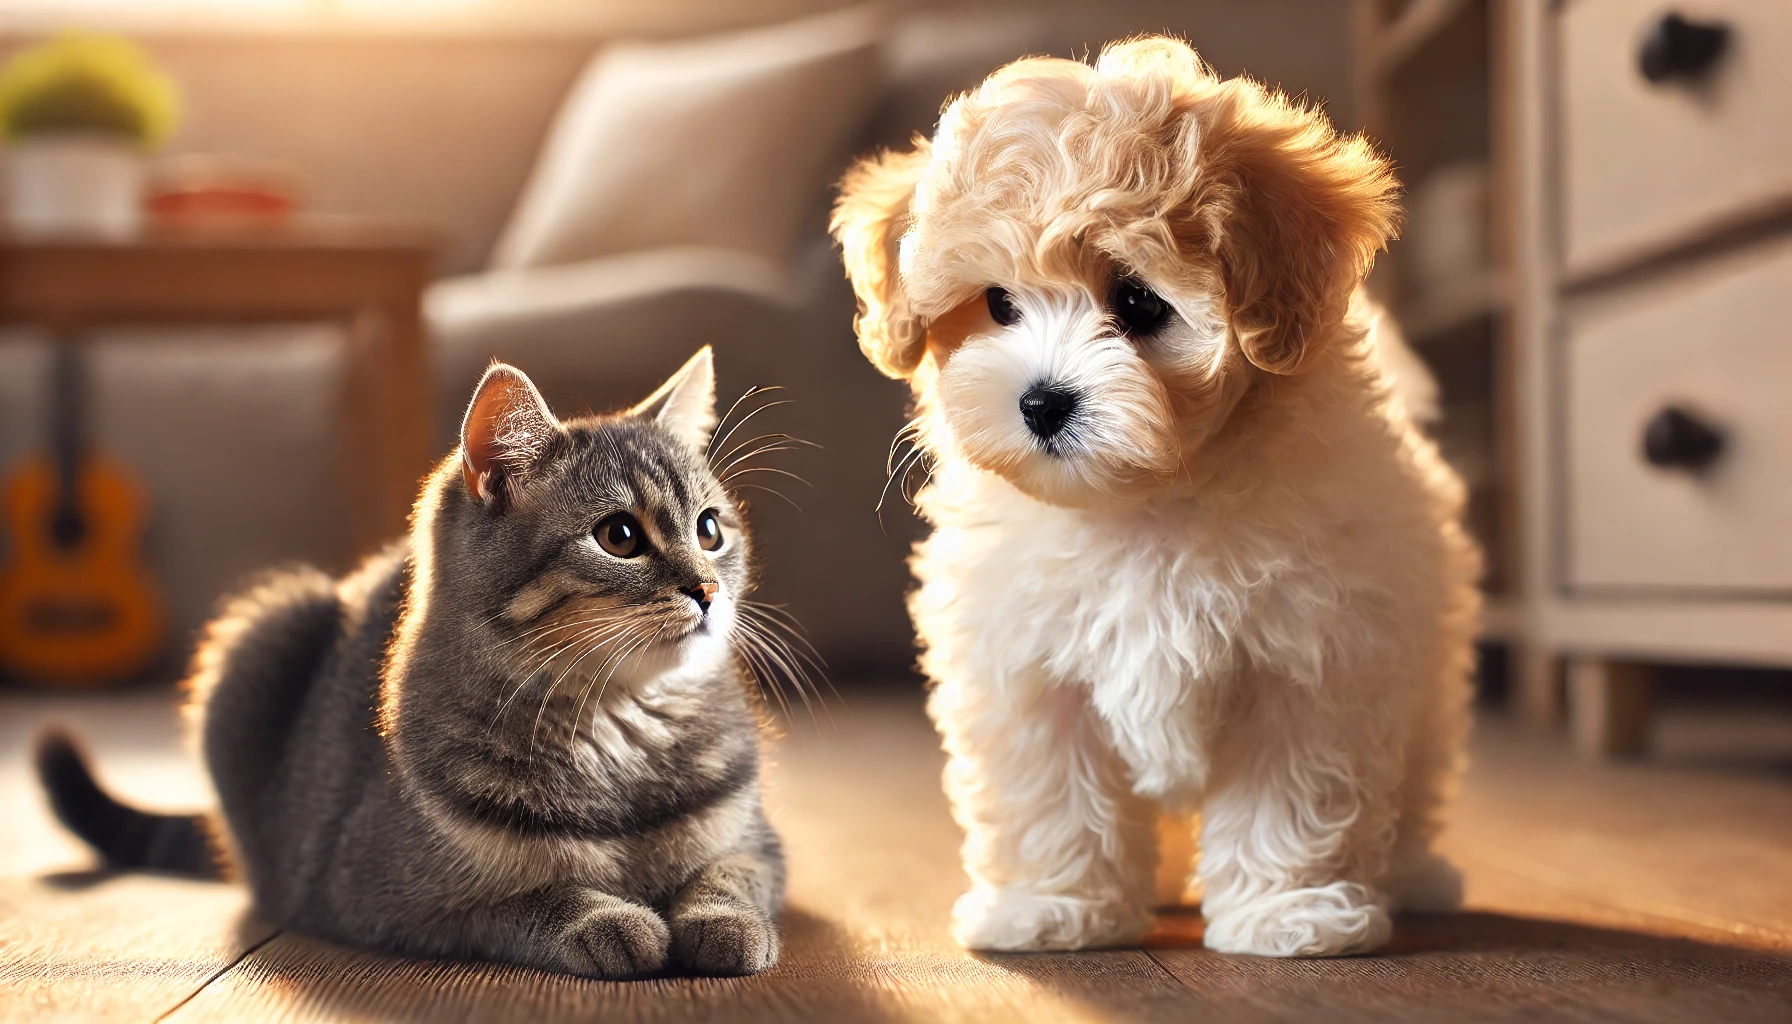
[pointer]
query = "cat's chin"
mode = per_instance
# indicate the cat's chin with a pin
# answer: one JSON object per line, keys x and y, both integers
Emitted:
{"x": 705, "y": 638}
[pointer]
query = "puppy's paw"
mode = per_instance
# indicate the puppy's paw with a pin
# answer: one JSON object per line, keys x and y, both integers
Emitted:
{"x": 1423, "y": 882}
{"x": 616, "y": 939}
{"x": 724, "y": 939}
{"x": 1017, "y": 920}
{"x": 1330, "y": 920}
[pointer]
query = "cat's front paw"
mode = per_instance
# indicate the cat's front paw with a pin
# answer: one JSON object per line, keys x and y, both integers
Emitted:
{"x": 615, "y": 940}
{"x": 724, "y": 939}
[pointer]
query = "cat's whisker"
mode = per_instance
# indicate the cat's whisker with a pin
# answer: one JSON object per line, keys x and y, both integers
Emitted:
{"x": 768, "y": 490}
{"x": 775, "y": 435}
{"x": 622, "y": 632}
{"x": 762, "y": 675}
{"x": 788, "y": 637}
{"x": 532, "y": 673}
{"x": 548, "y": 697}
{"x": 765, "y": 632}
{"x": 769, "y": 446}
{"x": 803, "y": 653}
{"x": 772, "y": 446}
{"x": 538, "y": 631}
{"x": 578, "y": 716}
{"x": 722, "y": 423}
{"x": 780, "y": 616}
{"x": 767, "y": 469}
{"x": 781, "y": 668}
{"x": 743, "y": 422}
{"x": 621, "y": 657}
{"x": 742, "y": 640}
{"x": 716, "y": 441}
{"x": 588, "y": 629}
{"x": 526, "y": 677}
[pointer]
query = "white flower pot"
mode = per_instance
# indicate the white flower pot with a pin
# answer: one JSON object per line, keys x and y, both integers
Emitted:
{"x": 87, "y": 186}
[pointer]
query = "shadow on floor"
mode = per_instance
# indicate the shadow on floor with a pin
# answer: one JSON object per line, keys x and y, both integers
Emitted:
{"x": 292, "y": 977}
{"x": 1480, "y": 966}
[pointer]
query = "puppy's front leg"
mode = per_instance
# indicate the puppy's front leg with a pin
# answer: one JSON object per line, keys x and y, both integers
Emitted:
{"x": 1060, "y": 852}
{"x": 1296, "y": 829}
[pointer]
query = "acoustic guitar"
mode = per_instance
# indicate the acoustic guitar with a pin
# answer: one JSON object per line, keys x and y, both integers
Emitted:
{"x": 76, "y": 604}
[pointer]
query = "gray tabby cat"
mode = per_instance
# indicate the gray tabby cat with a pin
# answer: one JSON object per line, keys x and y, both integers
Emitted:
{"x": 519, "y": 736}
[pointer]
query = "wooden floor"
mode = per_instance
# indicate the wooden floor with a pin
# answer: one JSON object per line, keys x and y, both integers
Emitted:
{"x": 1658, "y": 892}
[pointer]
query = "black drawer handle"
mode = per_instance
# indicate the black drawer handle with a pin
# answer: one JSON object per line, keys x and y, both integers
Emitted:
{"x": 1677, "y": 48}
{"x": 1676, "y": 438}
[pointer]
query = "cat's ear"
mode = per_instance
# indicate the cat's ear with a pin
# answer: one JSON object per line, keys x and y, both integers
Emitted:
{"x": 686, "y": 403}
{"x": 506, "y": 432}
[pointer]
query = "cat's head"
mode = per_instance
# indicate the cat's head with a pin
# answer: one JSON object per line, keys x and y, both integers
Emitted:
{"x": 597, "y": 546}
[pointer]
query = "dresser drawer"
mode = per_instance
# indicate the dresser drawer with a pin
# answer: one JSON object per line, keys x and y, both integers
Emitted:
{"x": 1649, "y": 165}
{"x": 1715, "y": 344}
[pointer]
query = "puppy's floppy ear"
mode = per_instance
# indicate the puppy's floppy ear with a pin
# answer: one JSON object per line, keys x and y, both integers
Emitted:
{"x": 1295, "y": 213}
{"x": 505, "y": 434}
{"x": 686, "y": 403}
{"x": 869, "y": 221}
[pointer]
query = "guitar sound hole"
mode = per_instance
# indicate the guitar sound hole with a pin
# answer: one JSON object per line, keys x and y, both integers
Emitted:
{"x": 67, "y": 528}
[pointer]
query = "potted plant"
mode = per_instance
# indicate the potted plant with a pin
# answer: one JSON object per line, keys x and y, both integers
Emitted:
{"x": 81, "y": 112}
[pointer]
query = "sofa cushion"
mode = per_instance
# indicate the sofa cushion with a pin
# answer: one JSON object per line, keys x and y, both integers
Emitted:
{"x": 720, "y": 142}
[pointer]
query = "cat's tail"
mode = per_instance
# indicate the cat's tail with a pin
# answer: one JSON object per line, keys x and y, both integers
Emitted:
{"x": 128, "y": 838}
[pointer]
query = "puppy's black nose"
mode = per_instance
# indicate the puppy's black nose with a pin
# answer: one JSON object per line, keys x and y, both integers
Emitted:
{"x": 1047, "y": 409}
{"x": 701, "y": 594}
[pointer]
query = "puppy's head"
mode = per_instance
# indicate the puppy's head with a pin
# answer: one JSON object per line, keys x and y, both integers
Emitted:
{"x": 1087, "y": 268}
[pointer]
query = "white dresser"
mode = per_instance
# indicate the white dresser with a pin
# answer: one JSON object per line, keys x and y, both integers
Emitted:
{"x": 1643, "y": 164}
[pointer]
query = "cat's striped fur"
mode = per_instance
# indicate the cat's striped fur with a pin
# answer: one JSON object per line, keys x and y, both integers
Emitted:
{"x": 498, "y": 739}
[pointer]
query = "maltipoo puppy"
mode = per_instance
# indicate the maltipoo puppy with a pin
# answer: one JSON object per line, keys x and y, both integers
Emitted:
{"x": 1189, "y": 552}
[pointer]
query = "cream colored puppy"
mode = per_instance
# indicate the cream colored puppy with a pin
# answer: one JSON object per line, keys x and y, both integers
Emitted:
{"x": 1189, "y": 553}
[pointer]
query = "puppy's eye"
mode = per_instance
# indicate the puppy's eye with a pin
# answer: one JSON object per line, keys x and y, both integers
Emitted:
{"x": 620, "y": 535}
{"x": 1139, "y": 308}
{"x": 709, "y": 530}
{"x": 1001, "y": 307}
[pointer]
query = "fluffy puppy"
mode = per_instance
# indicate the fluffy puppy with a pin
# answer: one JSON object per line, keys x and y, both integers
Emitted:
{"x": 1189, "y": 552}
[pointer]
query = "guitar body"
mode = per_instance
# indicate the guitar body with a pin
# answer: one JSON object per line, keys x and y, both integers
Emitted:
{"x": 76, "y": 609}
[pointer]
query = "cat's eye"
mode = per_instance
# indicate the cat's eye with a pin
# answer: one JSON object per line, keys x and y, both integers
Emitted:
{"x": 1001, "y": 307}
{"x": 620, "y": 535}
{"x": 1139, "y": 309}
{"x": 709, "y": 530}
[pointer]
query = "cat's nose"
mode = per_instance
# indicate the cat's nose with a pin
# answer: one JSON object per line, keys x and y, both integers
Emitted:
{"x": 702, "y": 594}
{"x": 1047, "y": 409}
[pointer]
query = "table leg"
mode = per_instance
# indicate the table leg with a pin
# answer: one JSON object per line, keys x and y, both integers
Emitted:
{"x": 386, "y": 406}
{"x": 1609, "y": 705}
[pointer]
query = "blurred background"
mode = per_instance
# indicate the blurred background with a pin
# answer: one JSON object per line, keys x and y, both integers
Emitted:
{"x": 259, "y": 251}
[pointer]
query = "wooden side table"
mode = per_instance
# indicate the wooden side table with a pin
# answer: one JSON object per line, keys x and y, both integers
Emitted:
{"x": 368, "y": 275}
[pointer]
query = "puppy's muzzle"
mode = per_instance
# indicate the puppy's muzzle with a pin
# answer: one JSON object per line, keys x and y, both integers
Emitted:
{"x": 1046, "y": 409}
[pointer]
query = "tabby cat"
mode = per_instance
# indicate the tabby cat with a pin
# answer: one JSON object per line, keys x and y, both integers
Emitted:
{"x": 521, "y": 735}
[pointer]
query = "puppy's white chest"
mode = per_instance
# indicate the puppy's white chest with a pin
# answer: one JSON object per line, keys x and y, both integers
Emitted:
{"x": 1135, "y": 607}
{"x": 1085, "y": 596}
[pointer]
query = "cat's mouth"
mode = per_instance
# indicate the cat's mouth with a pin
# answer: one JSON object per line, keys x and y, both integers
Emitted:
{"x": 695, "y": 625}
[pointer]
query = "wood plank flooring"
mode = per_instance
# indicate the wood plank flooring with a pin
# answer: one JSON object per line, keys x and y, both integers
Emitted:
{"x": 1653, "y": 892}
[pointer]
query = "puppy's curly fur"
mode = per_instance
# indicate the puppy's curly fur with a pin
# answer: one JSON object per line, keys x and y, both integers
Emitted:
{"x": 1233, "y": 584}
